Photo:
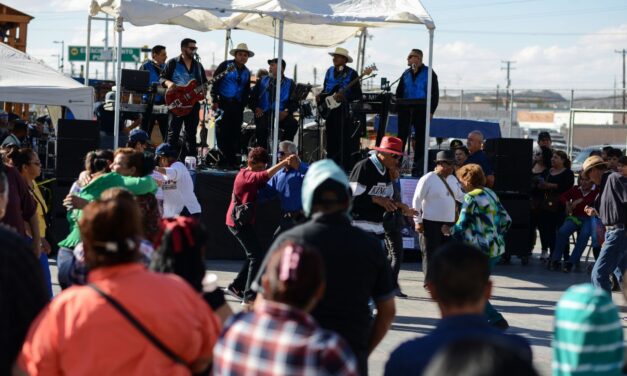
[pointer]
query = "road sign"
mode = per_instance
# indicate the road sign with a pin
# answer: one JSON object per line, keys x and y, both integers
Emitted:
{"x": 129, "y": 54}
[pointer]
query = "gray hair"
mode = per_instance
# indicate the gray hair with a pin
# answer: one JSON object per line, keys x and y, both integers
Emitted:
{"x": 477, "y": 133}
{"x": 288, "y": 146}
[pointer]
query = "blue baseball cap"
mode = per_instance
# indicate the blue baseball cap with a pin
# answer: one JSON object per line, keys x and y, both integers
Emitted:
{"x": 138, "y": 135}
{"x": 165, "y": 150}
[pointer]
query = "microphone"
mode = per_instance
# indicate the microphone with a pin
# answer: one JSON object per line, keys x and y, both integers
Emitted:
{"x": 413, "y": 66}
{"x": 196, "y": 56}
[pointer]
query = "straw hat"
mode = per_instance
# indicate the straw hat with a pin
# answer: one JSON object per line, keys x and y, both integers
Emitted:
{"x": 590, "y": 163}
{"x": 342, "y": 52}
{"x": 242, "y": 47}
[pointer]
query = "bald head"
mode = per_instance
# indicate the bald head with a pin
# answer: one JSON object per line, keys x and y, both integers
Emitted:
{"x": 474, "y": 142}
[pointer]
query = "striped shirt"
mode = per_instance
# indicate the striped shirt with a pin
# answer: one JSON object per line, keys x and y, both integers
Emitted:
{"x": 588, "y": 338}
{"x": 483, "y": 222}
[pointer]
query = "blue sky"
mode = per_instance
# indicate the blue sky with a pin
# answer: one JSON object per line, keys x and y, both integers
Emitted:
{"x": 557, "y": 44}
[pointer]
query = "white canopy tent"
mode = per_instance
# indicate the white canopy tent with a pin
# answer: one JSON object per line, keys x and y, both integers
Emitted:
{"x": 24, "y": 79}
{"x": 320, "y": 23}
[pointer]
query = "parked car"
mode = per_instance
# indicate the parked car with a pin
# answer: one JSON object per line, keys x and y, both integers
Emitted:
{"x": 585, "y": 153}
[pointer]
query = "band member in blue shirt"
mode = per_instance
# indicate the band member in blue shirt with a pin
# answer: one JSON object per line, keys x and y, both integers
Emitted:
{"x": 342, "y": 138}
{"x": 155, "y": 66}
{"x": 413, "y": 85}
{"x": 179, "y": 72}
{"x": 230, "y": 94}
{"x": 262, "y": 101}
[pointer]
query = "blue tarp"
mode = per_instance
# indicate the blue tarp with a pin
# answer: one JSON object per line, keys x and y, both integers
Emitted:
{"x": 450, "y": 128}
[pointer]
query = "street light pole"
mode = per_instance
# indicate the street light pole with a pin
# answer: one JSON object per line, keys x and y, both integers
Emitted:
{"x": 62, "y": 42}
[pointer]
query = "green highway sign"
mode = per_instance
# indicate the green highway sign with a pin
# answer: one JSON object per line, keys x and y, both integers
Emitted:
{"x": 129, "y": 54}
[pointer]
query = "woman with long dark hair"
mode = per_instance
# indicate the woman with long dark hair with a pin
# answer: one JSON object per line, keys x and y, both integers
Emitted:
{"x": 557, "y": 180}
{"x": 541, "y": 163}
{"x": 26, "y": 161}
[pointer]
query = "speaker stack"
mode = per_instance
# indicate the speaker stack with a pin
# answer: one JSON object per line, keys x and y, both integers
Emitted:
{"x": 75, "y": 138}
{"x": 511, "y": 161}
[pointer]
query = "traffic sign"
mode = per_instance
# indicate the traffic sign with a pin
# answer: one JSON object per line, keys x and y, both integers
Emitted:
{"x": 129, "y": 54}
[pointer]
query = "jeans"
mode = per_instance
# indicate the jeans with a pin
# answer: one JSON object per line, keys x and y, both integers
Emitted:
{"x": 418, "y": 123}
{"x": 65, "y": 260}
{"x": 229, "y": 130}
{"x": 568, "y": 228}
{"x": 254, "y": 256}
{"x": 394, "y": 246}
{"x": 433, "y": 239}
{"x": 174, "y": 130}
{"x": 611, "y": 255}
{"x": 149, "y": 123}
{"x": 490, "y": 312}
{"x": 45, "y": 267}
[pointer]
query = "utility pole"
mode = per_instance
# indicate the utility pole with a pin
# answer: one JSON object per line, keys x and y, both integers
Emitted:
{"x": 315, "y": 74}
{"x": 623, "y": 51}
{"x": 508, "y": 68}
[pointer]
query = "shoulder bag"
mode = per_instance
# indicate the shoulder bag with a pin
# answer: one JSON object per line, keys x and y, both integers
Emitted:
{"x": 450, "y": 191}
{"x": 242, "y": 213}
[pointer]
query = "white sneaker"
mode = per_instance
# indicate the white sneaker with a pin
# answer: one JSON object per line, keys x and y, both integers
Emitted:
{"x": 544, "y": 255}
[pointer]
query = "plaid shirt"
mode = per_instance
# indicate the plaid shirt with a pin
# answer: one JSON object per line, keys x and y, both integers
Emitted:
{"x": 278, "y": 339}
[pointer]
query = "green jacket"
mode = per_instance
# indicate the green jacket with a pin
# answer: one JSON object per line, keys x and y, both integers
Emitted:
{"x": 93, "y": 190}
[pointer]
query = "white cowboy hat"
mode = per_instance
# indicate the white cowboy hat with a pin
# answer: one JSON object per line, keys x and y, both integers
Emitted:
{"x": 342, "y": 52}
{"x": 242, "y": 47}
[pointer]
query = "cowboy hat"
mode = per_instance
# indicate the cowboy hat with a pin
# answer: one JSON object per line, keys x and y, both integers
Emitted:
{"x": 590, "y": 163}
{"x": 242, "y": 47}
{"x": 342, "y": 52}
{"x": 392, "y": 145}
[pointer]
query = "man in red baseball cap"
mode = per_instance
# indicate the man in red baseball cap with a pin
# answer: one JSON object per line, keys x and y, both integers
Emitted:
{"x": 372, "y": 186}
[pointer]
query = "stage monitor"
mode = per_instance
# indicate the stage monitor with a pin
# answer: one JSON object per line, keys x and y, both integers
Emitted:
{"x": 136, "y": 80}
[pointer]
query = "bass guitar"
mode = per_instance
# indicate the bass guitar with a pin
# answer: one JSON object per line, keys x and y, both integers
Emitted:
{"x": 181, "y": 99}
{"x": 328, "y": 100}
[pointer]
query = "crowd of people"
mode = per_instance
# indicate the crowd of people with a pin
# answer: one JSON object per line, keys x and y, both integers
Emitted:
{"x": 321, "y": 298}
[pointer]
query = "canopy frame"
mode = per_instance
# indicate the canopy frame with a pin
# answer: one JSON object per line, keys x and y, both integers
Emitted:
{"x": 281, "y": 17}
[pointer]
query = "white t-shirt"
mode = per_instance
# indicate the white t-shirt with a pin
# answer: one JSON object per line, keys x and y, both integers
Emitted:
{"x": 432, "y": 199}
{"x": 178, "y": 191}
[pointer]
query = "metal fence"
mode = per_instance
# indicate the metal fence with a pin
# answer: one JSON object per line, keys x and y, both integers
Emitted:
{"x": 520, "y": 110}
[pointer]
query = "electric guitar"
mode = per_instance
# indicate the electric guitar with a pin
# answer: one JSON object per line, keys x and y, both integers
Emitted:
{"x": 328, "y": 101}
{"x": 181, "y": 99}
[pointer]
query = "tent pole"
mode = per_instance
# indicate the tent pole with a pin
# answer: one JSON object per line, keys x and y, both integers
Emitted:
{"x": 118, "y": 83}
{"x": 361, "y": 38}
{"x": 277, "y": 97}
{"x": 87, "y": 50}
{"x": 226, "y": 44}
{"x": 428, "y": 112}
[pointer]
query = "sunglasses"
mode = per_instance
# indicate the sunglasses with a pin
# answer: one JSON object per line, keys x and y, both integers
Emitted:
{"x": 280, "y": 153}
{"x": 192, "y": 48}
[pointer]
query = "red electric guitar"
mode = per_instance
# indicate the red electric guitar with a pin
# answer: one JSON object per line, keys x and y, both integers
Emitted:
{"x": 181, "y": 99}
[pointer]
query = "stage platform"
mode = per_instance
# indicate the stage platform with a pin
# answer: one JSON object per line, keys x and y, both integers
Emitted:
{"x": 213, "y": 189}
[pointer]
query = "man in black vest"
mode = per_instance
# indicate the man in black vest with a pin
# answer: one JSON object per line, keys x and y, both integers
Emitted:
{"x": 342, "y": 140}
{"x": 413, "y": 86}
{"x": 230, "y": 94}
{"x": 262, "y": 101}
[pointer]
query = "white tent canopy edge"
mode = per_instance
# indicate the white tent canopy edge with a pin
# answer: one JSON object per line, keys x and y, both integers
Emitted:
{"x": 24, "y": 79}
{"x": 304, "y": 16}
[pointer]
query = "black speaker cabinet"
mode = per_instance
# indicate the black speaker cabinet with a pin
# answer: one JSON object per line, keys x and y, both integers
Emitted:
{"x": 75, "y": 139}
{"x": 135, "y": 80}
{"x": 78, "y": 129}
{"x": 310, "y": 149}
{"x": 511, "y": 161}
